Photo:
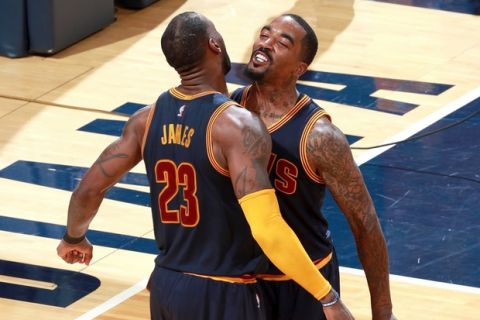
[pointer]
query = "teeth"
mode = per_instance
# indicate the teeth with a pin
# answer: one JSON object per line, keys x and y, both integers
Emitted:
{"x": 260, "y": 57}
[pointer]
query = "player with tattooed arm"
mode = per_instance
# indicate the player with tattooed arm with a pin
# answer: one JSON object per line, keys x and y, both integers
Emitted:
{"x": 211, "y": 198}
{"x": 309, "y": 154}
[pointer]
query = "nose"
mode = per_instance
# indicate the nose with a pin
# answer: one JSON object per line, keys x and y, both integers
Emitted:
{"x": 266, "y": 43}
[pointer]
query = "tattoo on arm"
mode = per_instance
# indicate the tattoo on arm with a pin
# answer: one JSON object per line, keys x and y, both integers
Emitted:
{"x": 255, "y": 143}
{"x": 110, "y": 153}
{"x": 254, "y": 174}
{"x": 329, "y": 152}
{"x": 240, "y": 183}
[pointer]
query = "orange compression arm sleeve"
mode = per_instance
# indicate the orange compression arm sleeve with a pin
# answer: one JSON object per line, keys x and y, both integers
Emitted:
{"x": 280, "y": 243}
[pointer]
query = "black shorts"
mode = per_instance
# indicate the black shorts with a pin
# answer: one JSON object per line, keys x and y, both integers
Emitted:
{"x": 286, "y": 300}
{"x": 178, "y": 296}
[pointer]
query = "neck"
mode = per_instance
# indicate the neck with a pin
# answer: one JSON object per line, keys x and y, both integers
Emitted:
{"x": 197, "y": 80}
{"x": 278, "y": 98}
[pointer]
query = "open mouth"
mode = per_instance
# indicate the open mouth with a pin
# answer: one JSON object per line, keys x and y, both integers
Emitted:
{"x": 260, "y": 58}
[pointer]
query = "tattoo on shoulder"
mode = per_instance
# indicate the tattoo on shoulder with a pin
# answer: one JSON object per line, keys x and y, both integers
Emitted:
{"x": 331, "y": 154}
{"x": 328, "y": 150}
{"x": 256, "y": 144}
{"x": 254, "y": 175}
{"x": 109, "y": 154}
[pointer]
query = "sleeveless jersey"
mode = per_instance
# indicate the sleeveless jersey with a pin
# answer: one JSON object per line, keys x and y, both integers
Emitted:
{"x": 299, "y": 189}
{"x": 198, "y": 223}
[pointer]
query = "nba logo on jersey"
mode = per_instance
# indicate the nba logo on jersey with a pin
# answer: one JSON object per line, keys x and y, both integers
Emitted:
{"x": 181, "y": 111}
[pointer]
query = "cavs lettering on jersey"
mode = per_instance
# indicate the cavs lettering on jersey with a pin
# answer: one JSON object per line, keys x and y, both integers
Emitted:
{"x": 199, "y": 225}
{"x": 300, "y": 190}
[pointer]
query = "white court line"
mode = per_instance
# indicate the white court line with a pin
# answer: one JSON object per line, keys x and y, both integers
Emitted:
{"x": 420, "y": 125}
{"x": 449, "y": 108}
{"x": 418, "y": 281}
{"x": 114, "y": 301}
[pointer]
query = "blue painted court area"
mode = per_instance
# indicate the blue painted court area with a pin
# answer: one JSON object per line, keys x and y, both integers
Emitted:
{"x": 462, "y": 6}
{"x": 426, "y": 193}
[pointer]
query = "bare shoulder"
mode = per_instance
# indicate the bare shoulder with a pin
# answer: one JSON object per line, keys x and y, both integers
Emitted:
{"x": 242, "y": 145}
{"x": 236, "y": 126}
{"x": 327, "y": 148}
{"x": 137, "y": 123}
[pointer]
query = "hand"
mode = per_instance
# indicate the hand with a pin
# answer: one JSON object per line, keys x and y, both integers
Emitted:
{"x": 338, "y": 311}
{"x": 72, "y": 253}
{"x": 333, "y": 307}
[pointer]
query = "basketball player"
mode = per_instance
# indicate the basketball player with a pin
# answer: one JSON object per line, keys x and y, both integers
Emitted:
{"x": 196, "y": 145}
{"x": 309, "y": 154}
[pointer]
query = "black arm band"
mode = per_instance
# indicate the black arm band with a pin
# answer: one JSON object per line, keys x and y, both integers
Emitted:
{"x": 72, "y": 240}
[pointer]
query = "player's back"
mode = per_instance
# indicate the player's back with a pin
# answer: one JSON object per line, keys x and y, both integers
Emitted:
{"x": 199, "y": 225}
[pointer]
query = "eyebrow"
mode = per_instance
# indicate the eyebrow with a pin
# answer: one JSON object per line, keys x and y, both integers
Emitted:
{"x": 283, "y": 34}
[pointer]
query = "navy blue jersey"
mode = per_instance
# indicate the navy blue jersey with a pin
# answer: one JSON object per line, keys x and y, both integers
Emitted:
{"x": 199, "y": 225}
{"x": 299, "y": 189}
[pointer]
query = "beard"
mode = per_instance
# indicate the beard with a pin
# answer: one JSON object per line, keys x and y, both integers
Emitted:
{"x": 253, "y": 75}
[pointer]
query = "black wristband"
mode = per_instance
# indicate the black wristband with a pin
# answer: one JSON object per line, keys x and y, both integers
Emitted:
{"x": 71, "y": 240}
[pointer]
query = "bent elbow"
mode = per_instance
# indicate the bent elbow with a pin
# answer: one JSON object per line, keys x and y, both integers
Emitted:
{"x": 83, "y": 192}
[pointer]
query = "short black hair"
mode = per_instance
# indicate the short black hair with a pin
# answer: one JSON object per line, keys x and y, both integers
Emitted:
{"x": 309, "y": 42}
{"x": 184, "y": 40}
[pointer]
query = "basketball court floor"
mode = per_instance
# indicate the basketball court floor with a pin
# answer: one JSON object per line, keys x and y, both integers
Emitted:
{"x": 403, "y": 75}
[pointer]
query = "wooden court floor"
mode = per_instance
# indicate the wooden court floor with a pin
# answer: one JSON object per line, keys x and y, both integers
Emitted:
{"x": 57, "y": 113}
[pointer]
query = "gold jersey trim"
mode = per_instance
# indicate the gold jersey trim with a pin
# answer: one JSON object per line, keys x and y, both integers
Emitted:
{"x": 177, "y": 94}
{"x": 241, "y": 279}
{"x": 303, "y": 146}
{"x": 209, "y": 139}
{"x": 287, "y": 116}
{"x": 147, "y": 126}
{"x": 320, "y": 263}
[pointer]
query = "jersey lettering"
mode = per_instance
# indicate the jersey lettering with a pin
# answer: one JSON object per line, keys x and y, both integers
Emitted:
{"x": 286, "y": 174}
{"x": 176, "y": 178}
{"x": 176, "y": 133}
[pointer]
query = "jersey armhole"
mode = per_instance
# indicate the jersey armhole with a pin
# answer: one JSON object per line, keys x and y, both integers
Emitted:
{"x": 209, "y": 139}
{"x": 147, "y": 126}
{"x": 303, "y": 146}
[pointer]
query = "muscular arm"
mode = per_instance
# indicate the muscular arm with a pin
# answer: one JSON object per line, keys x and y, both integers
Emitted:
{"x": 245, "y": 148}
{"x": 118, "y": 158}
{"x": 329, "y": 153}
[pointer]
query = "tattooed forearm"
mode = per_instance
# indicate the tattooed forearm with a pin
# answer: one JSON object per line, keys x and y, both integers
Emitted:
{"x": 107, "y": 155}
{"x": 329, "y": 153}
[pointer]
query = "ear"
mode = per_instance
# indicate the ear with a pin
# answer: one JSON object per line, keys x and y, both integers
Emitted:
{"x": 214, "y": 46}
{"x": 301, "y": 69}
